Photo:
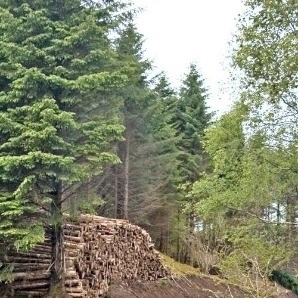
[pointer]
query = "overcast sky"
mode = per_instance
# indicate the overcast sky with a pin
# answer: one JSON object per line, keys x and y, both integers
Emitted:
{"x": 177, "y": 33}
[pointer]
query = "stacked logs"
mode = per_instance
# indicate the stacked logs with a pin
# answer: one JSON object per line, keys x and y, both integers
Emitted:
{"x": 97, "y": 251}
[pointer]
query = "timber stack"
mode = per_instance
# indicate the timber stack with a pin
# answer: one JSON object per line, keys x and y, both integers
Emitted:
{"x": 98, "y": 250}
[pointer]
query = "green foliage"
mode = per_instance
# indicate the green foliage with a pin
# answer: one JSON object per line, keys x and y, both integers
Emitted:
{"x": 5, "y": 273}
{"x": 267, "y": 48}
{"x": 57, "y": 65}
{"x": 251, "y": 261}
{"x": 248, "y": 191}
{"x": 247, "y": 173}
{"x": 224, "y": 142}
{"x": 191, "y": 118}
{"x": 285, "y": 279}
{"x": 163, "y": 87}
{"x": 265, "y": 52}
{"x": 251, "y": 252}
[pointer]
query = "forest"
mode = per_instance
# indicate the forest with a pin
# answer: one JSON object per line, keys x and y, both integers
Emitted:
{"x": 85, "y": 127}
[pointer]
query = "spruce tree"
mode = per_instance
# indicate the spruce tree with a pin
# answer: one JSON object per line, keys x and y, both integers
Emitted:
{"x": 57, "y": 120}
{"x": 143, "y": 186}
{"x": 163, "y": 87}
{"x": 191, "y": 118}
{"x": 134, "y": 96}
{"x": 149, "y": 151}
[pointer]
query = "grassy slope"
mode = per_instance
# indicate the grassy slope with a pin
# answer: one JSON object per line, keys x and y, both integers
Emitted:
{"x": 178, "y": 269}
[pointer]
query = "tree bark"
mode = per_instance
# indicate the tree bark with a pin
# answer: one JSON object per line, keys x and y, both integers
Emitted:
{"x": 57, "y": 273}
{"x": 178, "y": 238}
{"x": 116, "y": 192}
{"x": 126, "y": 179}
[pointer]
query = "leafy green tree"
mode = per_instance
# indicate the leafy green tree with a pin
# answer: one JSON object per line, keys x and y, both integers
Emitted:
{"x": 224, "y": 142}
{"x": 265, "y": 53}
{"x": 251, "y": 190}
{"x": 57, "y": 66}
{"x": 267, "y": 48}
{"x": 248, "y": 195}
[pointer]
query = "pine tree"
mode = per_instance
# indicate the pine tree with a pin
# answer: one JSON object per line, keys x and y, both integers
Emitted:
{"x": 57, "y": 66}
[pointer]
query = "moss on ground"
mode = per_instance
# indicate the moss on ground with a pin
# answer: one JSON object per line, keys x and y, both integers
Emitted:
{"x": 178, "y": 269}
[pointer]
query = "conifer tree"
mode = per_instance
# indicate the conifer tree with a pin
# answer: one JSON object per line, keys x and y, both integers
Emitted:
{"x": 143, "y": 186}
{"x": 150, "y": 138}
{"x": 163, "y": 87}
{"x": 56, "y": 118}
{"x": 191, "y": 119}
{"x": 129, "y": 48}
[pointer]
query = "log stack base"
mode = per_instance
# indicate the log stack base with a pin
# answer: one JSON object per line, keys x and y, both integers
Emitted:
{"x": 98, "y": 250}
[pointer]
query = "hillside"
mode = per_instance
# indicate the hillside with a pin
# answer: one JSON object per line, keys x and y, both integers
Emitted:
{"x": 187, "y": 282}
{"x": 187, "y": 287}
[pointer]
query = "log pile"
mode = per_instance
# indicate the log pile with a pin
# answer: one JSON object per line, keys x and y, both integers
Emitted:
{"x": 97, "y": 251}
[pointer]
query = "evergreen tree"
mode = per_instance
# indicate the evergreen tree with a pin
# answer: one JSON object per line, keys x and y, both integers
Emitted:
{"x": 135, "y": 94}
{"x": 143, "y": 186}
{"x": 163, "y": 87}
{"x": 57, "y": 120}
{"x": 191, "y": 118}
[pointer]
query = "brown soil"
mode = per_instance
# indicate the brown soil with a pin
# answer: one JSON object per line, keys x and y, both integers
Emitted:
{"x": 192, "y": 287}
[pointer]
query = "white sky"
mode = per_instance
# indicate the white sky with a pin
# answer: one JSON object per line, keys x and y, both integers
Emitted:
{"x": 177, "y": 33}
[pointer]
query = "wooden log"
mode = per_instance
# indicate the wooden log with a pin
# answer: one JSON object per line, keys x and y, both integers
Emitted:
{"x": 77, "y": 295}
{"x": 31, "y": 285}
{"x": 70, "y": 245}
{"x": 72, "y": 282}
{"x": 73, "y": 238}
{"x": 21, "y": 267}
{"x": 35, "y": 255}
{"x": 31, "y": 275}
{"x": 74, "y": 289}
{"x": 38, "y": 293}
{"x": 18, "y": 259}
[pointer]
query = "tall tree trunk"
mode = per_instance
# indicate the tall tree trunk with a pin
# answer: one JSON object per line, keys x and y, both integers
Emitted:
{"x": 126, "y": 179}
{"x": 178, "y": 238}
{"x": 57, "y": 277}
{"x": 161, "y": 242}
{"x": 116, "y": 191}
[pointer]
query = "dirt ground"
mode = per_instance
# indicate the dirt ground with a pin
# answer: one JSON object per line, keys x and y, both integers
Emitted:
{"x": 194, "y": 287}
